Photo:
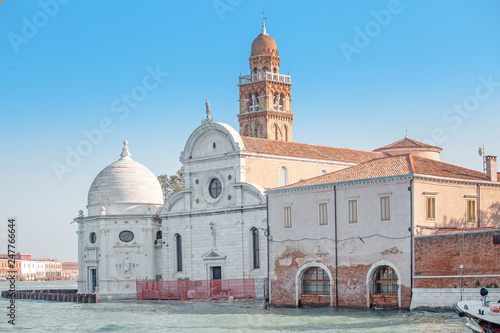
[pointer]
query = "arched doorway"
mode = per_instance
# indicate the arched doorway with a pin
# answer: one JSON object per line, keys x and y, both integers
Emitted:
{"x": 383, "y": 286}
{"x": 313, "y": 284}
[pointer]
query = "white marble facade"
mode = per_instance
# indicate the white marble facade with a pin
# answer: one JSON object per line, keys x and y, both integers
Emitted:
{"x": 115, "y": 246}
{"x": 216, "y": 213}
{"x": 130, "y": 234}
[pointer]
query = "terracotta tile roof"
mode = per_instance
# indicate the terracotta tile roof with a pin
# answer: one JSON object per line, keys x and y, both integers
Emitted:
{"x": 382, "y": 167}
{"x": 303, "y": 150}
{"x": 408, "y": 143}
{"x": 399, "y": 165}
{"x": 454, "y": 231}
{"x": 425, "y": 166}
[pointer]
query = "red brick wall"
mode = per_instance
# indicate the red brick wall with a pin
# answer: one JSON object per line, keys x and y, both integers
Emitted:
{"x": 442, "y": 255}
{"x": 283, "y": 287}
{"x": 352, "y": 286}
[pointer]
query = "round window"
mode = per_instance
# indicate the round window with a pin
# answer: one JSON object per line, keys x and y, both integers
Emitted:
{"x": 126, "y": 236}
{"x": 215, "y": 188}
{"x": 93, "y": 237}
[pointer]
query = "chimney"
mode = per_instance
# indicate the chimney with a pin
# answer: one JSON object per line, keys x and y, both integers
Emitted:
{"x": 491, "y": 167}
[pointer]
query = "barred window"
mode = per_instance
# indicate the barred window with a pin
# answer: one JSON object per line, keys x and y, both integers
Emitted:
{"x": 316, "y": 281}
{"x": 386, "y": 281}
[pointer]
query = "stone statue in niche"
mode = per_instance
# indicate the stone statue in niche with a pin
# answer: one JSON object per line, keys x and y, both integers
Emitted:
{"x": 212, "y": 232}
{"x": 127, "y": 267}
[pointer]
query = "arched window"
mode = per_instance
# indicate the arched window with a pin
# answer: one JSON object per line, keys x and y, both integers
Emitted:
{"x": 255, "y": 248}
{"x": 255, "y": 70}
{"x": 275, "y": 70}
{"x": 285, "y": 133}
{"x": 256, "y": 130}
{"x": 316, "y": 281}
{"x": 385, "y": 281}
{"x": 178, "y": 251}
{"x": 284, "y": 177}
{"x": 323, "y": 172}
{"x": 275, "y": 130}
{"x": 265, "y": 69}
{"x": 158, "y": 235}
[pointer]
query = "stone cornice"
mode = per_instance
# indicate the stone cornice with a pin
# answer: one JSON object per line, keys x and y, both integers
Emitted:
{"x": 215, "y": 212}
{"x": 113, "y": 217}
{"x": 456, "y": 180}
{"x": 350, "y": 183}
{"x": 282, "y": 158}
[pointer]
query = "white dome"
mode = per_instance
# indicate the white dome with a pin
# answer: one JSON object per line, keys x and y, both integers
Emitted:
{"x": 124, "y": 187}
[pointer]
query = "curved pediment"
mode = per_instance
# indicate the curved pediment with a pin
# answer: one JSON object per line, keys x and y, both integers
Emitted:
{"x": 253, "y": 194}
{"x": 176, "y": 202}
{"x": 212, "y": 139}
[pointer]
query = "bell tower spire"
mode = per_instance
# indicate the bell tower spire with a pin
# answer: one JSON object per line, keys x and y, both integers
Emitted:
{"x": 265, "y": 94}
{"x": 264, "y": 18}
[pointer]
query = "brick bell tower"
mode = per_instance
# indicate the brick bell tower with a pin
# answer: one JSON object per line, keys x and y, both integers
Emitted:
{"x": 265, "y": 98}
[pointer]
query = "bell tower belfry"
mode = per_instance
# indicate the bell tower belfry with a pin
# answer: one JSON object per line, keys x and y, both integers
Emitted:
{"x": 265, "y": 94}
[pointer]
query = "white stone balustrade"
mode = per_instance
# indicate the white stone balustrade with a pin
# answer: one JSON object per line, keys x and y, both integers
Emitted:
{"x": 269, "y": 76}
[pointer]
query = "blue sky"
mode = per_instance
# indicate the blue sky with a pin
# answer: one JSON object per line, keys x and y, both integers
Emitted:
{"x": 363, "y": 71}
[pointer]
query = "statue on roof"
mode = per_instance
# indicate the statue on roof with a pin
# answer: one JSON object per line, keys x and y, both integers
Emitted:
{"x": 207, "y": 105}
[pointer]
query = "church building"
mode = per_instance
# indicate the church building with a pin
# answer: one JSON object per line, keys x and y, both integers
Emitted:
{"x": 211, "y": 239}
{"x": 216, "y": 227}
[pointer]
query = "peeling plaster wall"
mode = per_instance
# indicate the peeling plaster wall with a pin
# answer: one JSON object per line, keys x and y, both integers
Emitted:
{"x": 361, "y": 246}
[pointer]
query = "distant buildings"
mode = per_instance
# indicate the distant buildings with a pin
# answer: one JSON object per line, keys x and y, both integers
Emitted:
{"x": 28, "y": 269}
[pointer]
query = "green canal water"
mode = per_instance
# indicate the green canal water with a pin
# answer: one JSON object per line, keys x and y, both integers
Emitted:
{"x": 207, "y": 316}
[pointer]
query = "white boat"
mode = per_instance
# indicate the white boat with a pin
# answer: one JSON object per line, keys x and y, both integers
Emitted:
{"x": 482, "y": 316}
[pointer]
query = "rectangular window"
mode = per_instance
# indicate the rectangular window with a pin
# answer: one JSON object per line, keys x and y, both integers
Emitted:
{"x": 430, "y": 207}
{"x": 471, "y": 210}
{"x": 323, "y": 214}
{"x": 385, "y": 208}
{"x": 288, "y": 216}
{"x": 352, "y": 206}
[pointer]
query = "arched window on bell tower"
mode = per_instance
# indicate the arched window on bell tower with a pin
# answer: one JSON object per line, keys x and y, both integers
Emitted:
{"x": 275, "y": 130}
{"x": 285, "y": 133}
